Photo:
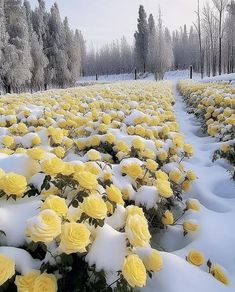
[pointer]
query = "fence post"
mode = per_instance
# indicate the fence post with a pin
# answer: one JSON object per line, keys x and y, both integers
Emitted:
{"x": 96, "y": 77}
{"x": 191, "y": 72}
{"x": 135, "y": 74}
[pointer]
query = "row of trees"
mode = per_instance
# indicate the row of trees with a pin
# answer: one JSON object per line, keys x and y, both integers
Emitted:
{"x": 208, "y": 45}
{"x": 37, "y": 49}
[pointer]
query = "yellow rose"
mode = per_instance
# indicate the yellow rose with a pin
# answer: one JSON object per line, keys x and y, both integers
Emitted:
{"x": 188, "y": 149}
{"x": 107, "y": 176}
{"x": 191, "y": 175}
{"x": 59, "y": 151}
{"x": 134, "y": 170}
{"x": 75, "y": 237}
{"x": 8, "y": 141}
{"x": 114, "y": 194}
{"x": 13, "y": 184}
{"x": 153, "y": 262}
{"x": 186, "y": 185}
{"x": 225, "y": 147}
{"x": 193, "y": 204}
{"x": 95, "y": 207}
{"x": 134, "y": 210}
{"x": 151, "y": 165}
{"x": 92, "y": 167}
{"x": 52, "y": 166}
{"x": 137, "y": 230}
{"x": 68, "y": 169}
{"x": 36, "y": 153}
{"x": 139, "y": 144}
{"x": 122, "y": 146}
{"x": 162, "y": 155}
{"x": 22, "y": 128}
{"x": 110, "y": 138}
{"x": 26, "y": 282}
{"x": 7, "y": 268}
{"x": 190, "y": 226}
{"x": 86, "y": 180}
{"x": 218, "y": 272}
{"x": 57, "y": 204}
{"x": 45, "y": 282}
{"x": 44, "y": 227}
{"x": 133, "y": 270}
{"x": 196, "y": 258}
{"x": 36, "y": 140}
{"x": 161, "y": 175}
{"x": 93, "y": 155}
{"x": 164, "y": 188}
{"x": 167, "y": 218}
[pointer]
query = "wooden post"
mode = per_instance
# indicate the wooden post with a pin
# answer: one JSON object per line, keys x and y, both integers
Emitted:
{"x": 135, "y": 74}
{"x": 96, "y": 77}
{"x": 191, "y": 72}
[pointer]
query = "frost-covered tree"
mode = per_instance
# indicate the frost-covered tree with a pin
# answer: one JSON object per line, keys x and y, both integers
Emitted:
{"x": 18, "y": 58}
{"x": 141, "y": 40}
{"x": 152, "y": 44}
{"x": 3, "y": 48}
{"x": 126, "y": 52}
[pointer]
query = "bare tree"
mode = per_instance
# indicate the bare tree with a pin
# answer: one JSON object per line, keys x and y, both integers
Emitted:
{"x": 220, "y": 5}
{"x": 199, "y": 31}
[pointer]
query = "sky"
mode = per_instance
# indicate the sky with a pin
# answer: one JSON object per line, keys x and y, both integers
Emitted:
{"x": 102, "y": 21}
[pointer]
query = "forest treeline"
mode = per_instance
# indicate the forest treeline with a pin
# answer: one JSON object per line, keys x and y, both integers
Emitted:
{"x": 39, "y": 50}
{"x": 208, "y": 45}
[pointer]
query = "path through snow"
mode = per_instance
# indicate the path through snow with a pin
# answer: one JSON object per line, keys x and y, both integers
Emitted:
{"x": 216, "y": 238}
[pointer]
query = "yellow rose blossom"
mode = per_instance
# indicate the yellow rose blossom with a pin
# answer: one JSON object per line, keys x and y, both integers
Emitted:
{"x": 162, "y": 155}
{"x": 45, "y": 282}
{"x": 133, "y": 270}
{"x": 13, "y": 184}
{"x": 191, "y": 175}
{"x": 75, "y": 237}
{"x": 134, "y": 170}
{"x": 153, "y": 262}
{"x": 94, "y": 206}
{"x": 190, "y": 226}
{"x": 164, "y": 188}
{"x": 161, "y": 175}
{"x": 225, "y": 147}
{"x": 167, "y": 218}
{"x": 86, "y": 180}
{"x": 52, "y": 166}
{"x": 7, "y": 268}
{"x": 59, "y": 151}
{"x": 92, "y": 167}
{"x": 137, "y": 230}
{"x": 26, "y": 282}
{"x": 36, "y": 153}
{"x": 44, "y": 227}
{"x": 196, "y": 258}
{"x": 188, "y": 149}
{"x": 36, "y": 140}
{"x": 114, "y": 194}
{"x": 175, "y": 176}
{"x": 193, "y": 204}
{"x": 218, "y": 272}
{"x": 8, "y": 141}
{"x": 139, "y": 144}
{"x": 57, "y": 204}
{"x": 93, "y": 155}
{"x": 151, "y": 165}
{"x": 186, "y": 185}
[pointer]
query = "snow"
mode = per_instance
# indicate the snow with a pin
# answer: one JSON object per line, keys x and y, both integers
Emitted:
{"x": 13, "y": 217}
{"x": 108, "y": 250}
{"x": 24, "y": 262}
{"x": 179, "y": 275}
{"x": 216, "y": 218}
{"x": 23, "y": 164}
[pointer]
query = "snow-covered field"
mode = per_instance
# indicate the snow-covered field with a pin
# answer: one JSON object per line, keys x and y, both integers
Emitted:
{"x": 118, "y": 177}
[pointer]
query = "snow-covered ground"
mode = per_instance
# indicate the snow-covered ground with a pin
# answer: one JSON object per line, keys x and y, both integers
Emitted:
{"x": 170, "y": 75}
{"x": 216, "y": 238}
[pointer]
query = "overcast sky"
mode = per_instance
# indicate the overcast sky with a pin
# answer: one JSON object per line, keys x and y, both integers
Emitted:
{"x": 102, "y": 21}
